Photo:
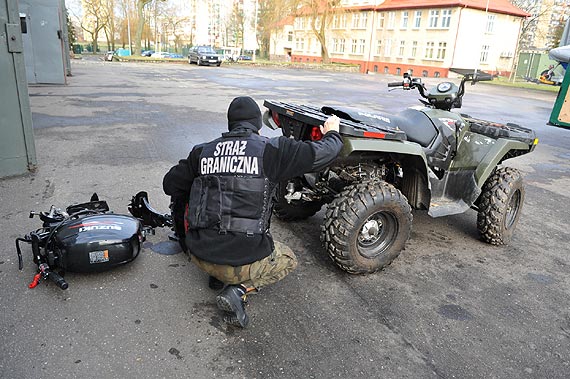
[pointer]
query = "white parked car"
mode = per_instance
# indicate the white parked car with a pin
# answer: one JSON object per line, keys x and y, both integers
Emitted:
{"x": 160, "y": 54}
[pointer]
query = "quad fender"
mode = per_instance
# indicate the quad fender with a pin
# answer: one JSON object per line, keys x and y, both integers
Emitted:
{"x": 501, "y": 150}
{"x": 477, "y": 157}
{"x": 416, "y": 185}
{"x": 382, "y": 147}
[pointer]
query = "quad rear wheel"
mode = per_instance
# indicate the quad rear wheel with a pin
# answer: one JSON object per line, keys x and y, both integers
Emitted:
{"x": 500, "y": 205}
{"x": 366, "y": 226}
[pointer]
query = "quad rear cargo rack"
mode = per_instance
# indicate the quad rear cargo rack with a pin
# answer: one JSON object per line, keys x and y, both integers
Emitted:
{"x": 294, "y": 120}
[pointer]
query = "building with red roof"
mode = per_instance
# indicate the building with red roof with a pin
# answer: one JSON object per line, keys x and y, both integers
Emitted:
{"x": 424, "y": 37}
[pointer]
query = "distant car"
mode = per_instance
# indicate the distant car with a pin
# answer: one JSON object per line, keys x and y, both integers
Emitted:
{"x": 204, "y": 55}
{"x": 160, "y": 54}
{"x": 244, "y": 58}
{"x": 147, "y": 53}
{"x": 109, "y": 56}
{"x": 173, "y": 55}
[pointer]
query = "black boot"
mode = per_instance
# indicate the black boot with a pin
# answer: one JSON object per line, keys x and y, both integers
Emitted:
{"x": 231, "y": 300}
{"x": 214, "y": 283}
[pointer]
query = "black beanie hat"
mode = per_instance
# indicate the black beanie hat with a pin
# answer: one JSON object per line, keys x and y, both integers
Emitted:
{"x": 244, "y": 109}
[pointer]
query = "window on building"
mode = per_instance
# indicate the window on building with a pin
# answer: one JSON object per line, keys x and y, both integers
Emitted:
{"x": 299, "y": 23}
{"x": 414, "y": 48}
{"x": 388, "y": 48}
{"x": 441, "y": 47}
{"x": 445, "y": 18}
{"x": 417, "y": 19}
{"x": 436, "y": 74}
{"x": 356, "y": 20}
{"x": 386, "y": 70}
{"x": 380, "y": 20}
{"x": 433, "y": 18}
{"x": 404, "y": 20}
{"x": 363, "y": 20}
{"x": 290, "y": 36}
{"x": 342, "y": 21}
{"x": 375, "y": 68}
{"x": 429, "y": 50}
{"x": 490, "y": 23}
{"x": 402, "y": 48}
{"x": 398, "y": 70}
{"x": 299, "y": 44}
{"x": 424, "y": 73}
{"x": 361, "y": 43}
{"x": 378, "y": 47}
{"x": 335, "y": 45}
{"x": 484, "y": 54}
{"x": 336, "y": 21}
{"x": 341, "y": 45}
{"x": 354, "y": 46}
{"x": 391, "y": 20}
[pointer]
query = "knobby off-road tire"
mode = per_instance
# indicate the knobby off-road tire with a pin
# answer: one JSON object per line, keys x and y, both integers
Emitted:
{"x": 295, "y": 210}
{"x": 500, "y": 205}
{"x": 366, "y": 226}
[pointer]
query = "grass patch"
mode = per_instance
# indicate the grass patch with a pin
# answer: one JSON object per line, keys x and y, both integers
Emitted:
{"x": 518, "y": 83}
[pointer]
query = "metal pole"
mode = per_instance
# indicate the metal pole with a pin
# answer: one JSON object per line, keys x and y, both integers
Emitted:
{"x": 129, "y": 28}
{"x": 254, "y": 32}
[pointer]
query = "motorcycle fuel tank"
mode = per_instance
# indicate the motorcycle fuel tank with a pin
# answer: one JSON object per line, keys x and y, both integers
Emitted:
{"x": 97, "y": 243}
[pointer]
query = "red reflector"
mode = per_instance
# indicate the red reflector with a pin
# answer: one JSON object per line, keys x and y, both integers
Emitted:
{"x": 316, "y": 134}
{"x": 275, "y": 118}
{"x": 374, "y": 135}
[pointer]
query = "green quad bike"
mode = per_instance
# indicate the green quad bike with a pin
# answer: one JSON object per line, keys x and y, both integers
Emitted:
{"x": 421, "y": 158}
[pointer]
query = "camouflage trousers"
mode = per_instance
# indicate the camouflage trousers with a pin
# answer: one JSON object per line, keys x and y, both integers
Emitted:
{"x": 258, "y": 274}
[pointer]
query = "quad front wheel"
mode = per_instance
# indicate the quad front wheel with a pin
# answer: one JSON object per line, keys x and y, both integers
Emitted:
{"x": 366, "y": 226}
{"x": 500, "y": 205}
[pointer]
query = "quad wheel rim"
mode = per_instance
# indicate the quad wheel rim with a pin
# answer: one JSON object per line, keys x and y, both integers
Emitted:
{"x": 513, "y": 209}
{"x": 377, "y": 234}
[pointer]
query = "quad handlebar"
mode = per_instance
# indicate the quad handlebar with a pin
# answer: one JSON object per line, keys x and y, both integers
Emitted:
{"x": 442, "y": 98}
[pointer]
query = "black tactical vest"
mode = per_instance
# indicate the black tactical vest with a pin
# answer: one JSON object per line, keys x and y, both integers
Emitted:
{"x": 231, "y": 194}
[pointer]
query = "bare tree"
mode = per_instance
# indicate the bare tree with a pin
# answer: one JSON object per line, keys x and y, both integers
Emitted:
{"x": 272, "y": 13}
{"x": 95, "y": 18}
{"x": 236, "y": 26}
{"x": 320, "y": 14}
{"x": 539, "y": 13}
{"x": 141, "y": 4}
{"x": 109, "y": 27}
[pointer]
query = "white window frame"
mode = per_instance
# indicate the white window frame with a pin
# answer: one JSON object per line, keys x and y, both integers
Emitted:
{"x": 391, "y": 20}
{"x": 353, "y": 45}
{"x": 446, "y": 18}
{"x": 441, "y": 50}
{"x": 414, "y": 49}
{"x": 361, "y": 44}
{"x": 430, "y": 46}
{"x": 388, "y": 47}
{"x": 417, "y": 19}
{"x": 378, "y": 47}
{"x": 433, "y": 18}
{"x": 356, "y": 20}
{"x": 402, "y": 48}
{"x": 490, "y": 25}
{"x": 484, "y": 57}
{"x": 381, "y": 20}
{"x": 405, "y": 19}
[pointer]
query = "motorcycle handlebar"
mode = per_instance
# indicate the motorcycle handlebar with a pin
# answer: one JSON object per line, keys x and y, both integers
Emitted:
{"x": 395, "y": 84}
{"x": 58, "y": 280}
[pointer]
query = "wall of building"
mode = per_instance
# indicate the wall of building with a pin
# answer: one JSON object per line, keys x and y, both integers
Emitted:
{"x": 380, "y": 46}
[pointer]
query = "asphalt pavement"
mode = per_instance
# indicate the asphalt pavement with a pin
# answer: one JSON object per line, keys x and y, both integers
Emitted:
{"x": 450, "y": 306}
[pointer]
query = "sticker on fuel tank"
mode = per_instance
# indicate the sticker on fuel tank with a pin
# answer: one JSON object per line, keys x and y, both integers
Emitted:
{"x": 98, "y": 256}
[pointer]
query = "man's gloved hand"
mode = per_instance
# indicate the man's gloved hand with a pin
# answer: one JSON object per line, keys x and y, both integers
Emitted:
{"x": 332, "y": 123}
